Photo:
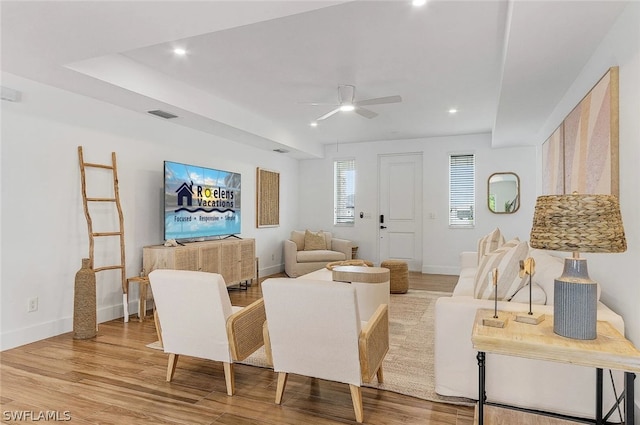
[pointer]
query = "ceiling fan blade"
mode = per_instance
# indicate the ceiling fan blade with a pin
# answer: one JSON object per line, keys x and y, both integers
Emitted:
{"x": 328, "y": 114}
{"x": 367, "y": 113}
{"x": 379, "y": 100}
{"x": 318, "y": 103}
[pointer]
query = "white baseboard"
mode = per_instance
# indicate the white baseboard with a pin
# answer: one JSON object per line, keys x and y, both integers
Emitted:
{"x": 268, "y": 271}
{"x": 451, "y": 270}
{"x": 60, "y": 326}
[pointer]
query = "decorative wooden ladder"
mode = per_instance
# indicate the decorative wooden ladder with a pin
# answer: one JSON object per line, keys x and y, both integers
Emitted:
{"x": 119, "y": 233}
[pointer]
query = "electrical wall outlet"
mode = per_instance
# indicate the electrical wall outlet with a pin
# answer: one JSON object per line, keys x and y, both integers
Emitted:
{"x": 33, "y": 305}
{"x": 273, "y": 257}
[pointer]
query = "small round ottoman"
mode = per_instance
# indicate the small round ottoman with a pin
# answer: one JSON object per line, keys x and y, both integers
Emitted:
{"x": 399, "y": 271}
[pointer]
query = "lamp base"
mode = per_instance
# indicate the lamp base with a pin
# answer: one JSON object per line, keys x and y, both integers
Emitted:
{"x": 575, "y": 301}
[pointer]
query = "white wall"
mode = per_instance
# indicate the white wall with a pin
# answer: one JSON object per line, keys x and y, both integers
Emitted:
{"x": 618, "y": 273}
{"x": 44, "y": 231}
{"x": 441, "y": 245}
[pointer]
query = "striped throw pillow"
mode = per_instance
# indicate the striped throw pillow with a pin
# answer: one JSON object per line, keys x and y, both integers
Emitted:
{"x": 507, "y": 260}
{"x": 490, "y": 243}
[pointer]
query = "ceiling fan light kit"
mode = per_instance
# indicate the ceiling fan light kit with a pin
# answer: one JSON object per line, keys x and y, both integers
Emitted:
{"x": 347, "y": 103}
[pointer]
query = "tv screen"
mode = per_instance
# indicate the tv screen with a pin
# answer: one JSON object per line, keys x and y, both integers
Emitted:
{"x": 200, "y": 202}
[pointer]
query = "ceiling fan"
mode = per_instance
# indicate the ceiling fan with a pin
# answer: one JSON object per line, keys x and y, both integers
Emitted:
{"x": 347, "y": 103}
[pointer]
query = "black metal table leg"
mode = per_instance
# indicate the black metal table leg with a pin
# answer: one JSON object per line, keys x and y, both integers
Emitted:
{"x": 482, "y": 395}
{"x": 629, "y": 414}
{"x": 599, "y": 396}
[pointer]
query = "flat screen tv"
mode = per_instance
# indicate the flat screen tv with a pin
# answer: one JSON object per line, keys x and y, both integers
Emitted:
{"x": 200, "y": 202}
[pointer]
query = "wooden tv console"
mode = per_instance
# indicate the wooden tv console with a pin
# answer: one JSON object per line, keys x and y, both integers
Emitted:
{"x": 234, "y": 259}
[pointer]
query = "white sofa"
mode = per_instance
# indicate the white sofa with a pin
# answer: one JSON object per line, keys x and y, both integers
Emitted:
{"x": 298, "y": 261}
{"x": 535, "y": 384}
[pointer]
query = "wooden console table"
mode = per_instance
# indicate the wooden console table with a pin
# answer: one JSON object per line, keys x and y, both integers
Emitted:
{"x": 610, "y": 350}
{"x": 234, "y": 259}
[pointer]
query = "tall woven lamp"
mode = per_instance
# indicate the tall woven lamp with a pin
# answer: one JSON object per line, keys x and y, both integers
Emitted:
{"x": 577, "y": 223}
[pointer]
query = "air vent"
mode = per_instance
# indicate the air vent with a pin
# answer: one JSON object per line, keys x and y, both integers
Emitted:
{"x": 10, "y": 94}
{"x": 279, "y": 150}
{"x": 162, "y": 114}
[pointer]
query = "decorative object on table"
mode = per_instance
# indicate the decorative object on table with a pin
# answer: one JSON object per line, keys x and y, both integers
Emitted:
{"x": 587, "y": 223}
{"x": 84, "y": 302}
{"x": 495, "y": 321}
{"x": 528, "y": 268}
{"x": 363, "y": 263}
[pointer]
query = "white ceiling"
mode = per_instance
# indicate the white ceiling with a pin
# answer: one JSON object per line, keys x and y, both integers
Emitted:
{"x": 253, "y": 66}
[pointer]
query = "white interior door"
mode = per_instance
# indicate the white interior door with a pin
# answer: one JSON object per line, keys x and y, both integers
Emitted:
{"x": 400, "y": 208}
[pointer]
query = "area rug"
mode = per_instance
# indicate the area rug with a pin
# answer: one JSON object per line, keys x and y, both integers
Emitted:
{"x": 408, "y": 367}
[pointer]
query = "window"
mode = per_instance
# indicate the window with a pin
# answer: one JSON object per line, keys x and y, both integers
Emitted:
{"x": 462, "y": 193}
{"x": 344, "y": 187}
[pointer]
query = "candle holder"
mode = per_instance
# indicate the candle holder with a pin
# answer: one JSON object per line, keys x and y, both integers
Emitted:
{"x": 495, "y": 321}
{"x": 528, "y": 267}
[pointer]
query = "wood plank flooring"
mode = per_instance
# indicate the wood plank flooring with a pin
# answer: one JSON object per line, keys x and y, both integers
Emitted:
{"x": 115, "y": 379}
{"x": 496, "y": 416}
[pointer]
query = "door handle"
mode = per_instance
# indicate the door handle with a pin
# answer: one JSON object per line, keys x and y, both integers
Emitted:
{"x": 383, "y": 227}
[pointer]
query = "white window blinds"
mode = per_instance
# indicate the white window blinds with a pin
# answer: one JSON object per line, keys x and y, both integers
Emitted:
{"x": 344, "y": 184}
{"x": 462, "y": 193}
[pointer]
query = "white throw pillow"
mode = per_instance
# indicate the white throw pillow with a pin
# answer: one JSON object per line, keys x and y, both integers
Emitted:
{"x": 538, "y": 295}
{"x": 506, "y": 260}
{"x": 548, "y": 268}
{"x": 489, "y": 243}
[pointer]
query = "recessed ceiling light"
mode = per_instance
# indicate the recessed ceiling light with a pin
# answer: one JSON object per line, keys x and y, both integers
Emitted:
{"x": 179, "y": 51}
{"x": 453, "y": 111}
{"x": 418, "y": 3}
{"x": 314, "y": 124}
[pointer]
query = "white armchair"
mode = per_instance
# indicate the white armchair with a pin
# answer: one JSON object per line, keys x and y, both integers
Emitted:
{"x": 197, "y": 319}
{"x": 313, "y": 329}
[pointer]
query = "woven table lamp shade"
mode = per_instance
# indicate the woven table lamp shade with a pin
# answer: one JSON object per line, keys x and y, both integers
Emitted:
{"x": 577, "y": 223}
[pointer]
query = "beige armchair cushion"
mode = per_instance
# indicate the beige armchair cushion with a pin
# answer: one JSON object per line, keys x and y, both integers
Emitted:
{"x": 314, "y": 241}
{"x": 297, "y": 236}
{"x": 319, "y": 255}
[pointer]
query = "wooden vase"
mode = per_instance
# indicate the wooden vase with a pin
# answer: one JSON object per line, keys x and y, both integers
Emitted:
{"x": 84, "y": 303}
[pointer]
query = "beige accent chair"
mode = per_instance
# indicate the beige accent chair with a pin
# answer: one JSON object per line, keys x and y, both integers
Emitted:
{"x": 313, "y": 329}
{"x": 197, "y": 319}
{"x": 298, "y": 261}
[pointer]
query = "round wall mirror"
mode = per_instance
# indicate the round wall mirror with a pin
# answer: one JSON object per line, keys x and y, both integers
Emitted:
{"x": 503, "y": 194}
